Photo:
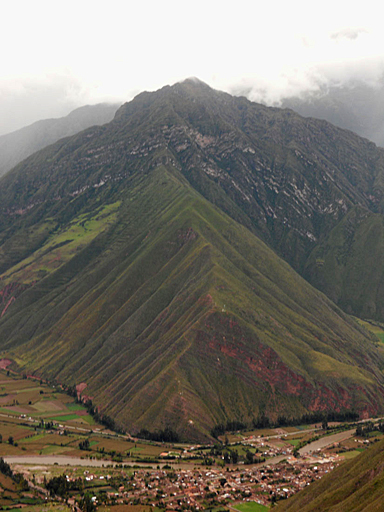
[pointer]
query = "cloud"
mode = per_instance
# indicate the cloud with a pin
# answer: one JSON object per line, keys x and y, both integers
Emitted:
{"x": 303, "y": 80}
{"x": 86, "y": 53}
{"x": 348, "y": 33}
{"x": 24, "y": 100}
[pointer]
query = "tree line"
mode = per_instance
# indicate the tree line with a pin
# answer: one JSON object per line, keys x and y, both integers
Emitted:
{"x": 162, "y": 436}
{"x": 264, "y": 421}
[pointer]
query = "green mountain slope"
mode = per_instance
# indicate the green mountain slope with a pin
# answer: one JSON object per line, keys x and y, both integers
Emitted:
{"x": 355, "y": 486}
{"x": 129, "y": 261}
{"x": 289, "y": 180}
{"x": 348, "y": 264}
{"x": 174, "y": 314}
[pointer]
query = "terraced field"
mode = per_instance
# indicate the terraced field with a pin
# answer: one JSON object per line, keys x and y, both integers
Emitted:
{"x": 26, "y": 405}
{"x": 60, "y": 246}
{"x": 23, "y": 398}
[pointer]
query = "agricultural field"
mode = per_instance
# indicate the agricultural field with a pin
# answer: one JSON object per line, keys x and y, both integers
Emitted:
{"x": 29, "y": 408}
{"x": 35, "y": 401}
{"x": 40, "y": 420}
{"x": 250, "y": 506}
{"x": 61, "y": 245}
{"x": 13, "y": 493}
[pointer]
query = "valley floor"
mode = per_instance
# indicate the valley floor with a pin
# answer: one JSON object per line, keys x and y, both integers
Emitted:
{"x": 46, "y": 434}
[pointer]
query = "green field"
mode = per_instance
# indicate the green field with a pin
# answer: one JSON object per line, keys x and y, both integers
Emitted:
{"x": 26, "y": 405}
{"x": 250, "y": 506}
{"x": 64, "y": 418}
{"x": 294, "y": 442}
{"x": 75, "y": 407}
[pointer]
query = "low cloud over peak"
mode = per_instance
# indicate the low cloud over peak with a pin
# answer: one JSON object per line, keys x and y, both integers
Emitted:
{"x": 348, "y": 33}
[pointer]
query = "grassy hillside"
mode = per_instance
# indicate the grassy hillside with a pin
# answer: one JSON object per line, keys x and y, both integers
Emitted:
{"x": 129, "y": 261}
{"x": 174, "y": 314}
{"x": 348, "y": 264}
{"x": 355, "y": 486}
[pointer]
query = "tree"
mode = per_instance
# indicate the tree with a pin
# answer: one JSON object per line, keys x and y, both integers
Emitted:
{"x": 84, "y": 445}
{"x": 10, "y": 440}
{"x": 58, "y": 486}
{"x": 249, "y": 457}
{"x": 234, "y": 456}
{"x": 5, "y": 468}
{"x": 86, "y": 503}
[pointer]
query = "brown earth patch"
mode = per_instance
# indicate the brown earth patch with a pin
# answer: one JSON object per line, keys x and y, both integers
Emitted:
{"x": 51, "y": 406}
{"x": 5, "y": 399}
{"x": 81, "y": 413}
{"x": 80, "y": 387}
{"x": 4, "y": 363}
{"x": 16, "y": 408}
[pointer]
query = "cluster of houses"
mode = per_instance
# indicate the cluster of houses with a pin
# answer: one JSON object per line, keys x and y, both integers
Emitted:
{"x": 177, "y": 489}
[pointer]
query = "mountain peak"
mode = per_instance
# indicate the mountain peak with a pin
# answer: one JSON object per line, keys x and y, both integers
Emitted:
{"x": 193, "y": 84}
{"x": 193, "y": 80}
{"x": 191, "y": 88}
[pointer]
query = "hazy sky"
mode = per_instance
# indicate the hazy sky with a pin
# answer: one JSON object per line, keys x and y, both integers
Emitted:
{"x": 59, "y": 55}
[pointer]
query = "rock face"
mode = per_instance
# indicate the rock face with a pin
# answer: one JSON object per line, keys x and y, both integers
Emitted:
{"x": 135, "y": 253}
{"x": 18, "y": 145}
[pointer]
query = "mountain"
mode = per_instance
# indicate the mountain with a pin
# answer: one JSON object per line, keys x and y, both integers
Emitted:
{"x": 290, "y": 180}
{"x": 356, "y": 106}
{"x": 132, "y": 261}
{"x": 347, "y": 264}
{"x": 18, "y": 145}
{"x": 355, "y": 486}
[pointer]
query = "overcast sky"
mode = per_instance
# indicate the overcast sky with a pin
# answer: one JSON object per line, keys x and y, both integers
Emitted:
{"x": 59, "y": 55}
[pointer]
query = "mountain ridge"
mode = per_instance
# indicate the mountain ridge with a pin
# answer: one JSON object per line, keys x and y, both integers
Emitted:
{"x": 19, "y": 144}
